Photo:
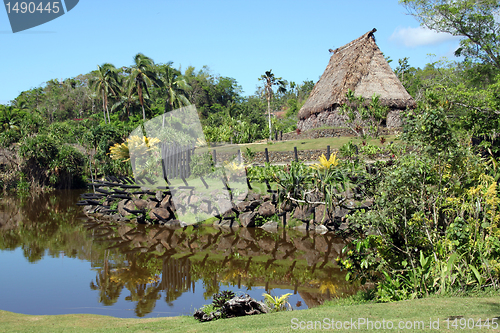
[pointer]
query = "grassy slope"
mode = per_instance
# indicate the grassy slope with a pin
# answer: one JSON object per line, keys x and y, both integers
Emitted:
{"x": 301, "y": 144}
{"x": 415, "y": 310}
{"x": 320, "y": 143}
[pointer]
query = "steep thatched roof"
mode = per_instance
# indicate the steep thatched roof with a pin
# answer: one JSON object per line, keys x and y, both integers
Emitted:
{"x": 361, "y": 67}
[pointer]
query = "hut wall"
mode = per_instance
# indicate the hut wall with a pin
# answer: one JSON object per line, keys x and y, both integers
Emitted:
{"x": 330, "y": 118}
{"x": 394, "y": 119}
{"x": 333, "y": 118}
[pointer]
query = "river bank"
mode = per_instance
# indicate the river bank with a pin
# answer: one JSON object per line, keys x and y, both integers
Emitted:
{"x": 432, "y": 314}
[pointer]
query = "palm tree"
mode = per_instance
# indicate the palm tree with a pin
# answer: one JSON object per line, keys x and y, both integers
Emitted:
{"x": 141, "y": 77}
{"x": 105, "y": 82}
{"x": 126, "y": 100}
{"x": 175, "y": 88}
{"x": 8, "y": 118}
{"x": 269, "y": 81}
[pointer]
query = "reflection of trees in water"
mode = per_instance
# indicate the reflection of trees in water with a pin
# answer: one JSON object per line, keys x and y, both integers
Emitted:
{"x": 109, "y": 290}
{"x": 145, "y": 295}
{"x": 149, "y": 261}
{"x": 145, "y": 276}
{"x": 176, "y": 278}
{"x": 44, "y": 224}
{"x": 246, "y": 257}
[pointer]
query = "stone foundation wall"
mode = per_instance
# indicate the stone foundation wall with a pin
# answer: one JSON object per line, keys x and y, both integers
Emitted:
{"x": 318, "y": 133}
{"x": 333, "y": 118}
{"x": 394, "y": 119}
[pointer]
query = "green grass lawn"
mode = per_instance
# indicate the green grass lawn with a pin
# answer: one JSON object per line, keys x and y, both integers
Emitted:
{"x": 320, "y": 143}
{"x": 303, "y": 144}
{"x": 409, "y": 313}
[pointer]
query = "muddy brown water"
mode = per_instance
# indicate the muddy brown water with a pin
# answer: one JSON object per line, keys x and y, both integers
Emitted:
{"x": 57, "y": 261}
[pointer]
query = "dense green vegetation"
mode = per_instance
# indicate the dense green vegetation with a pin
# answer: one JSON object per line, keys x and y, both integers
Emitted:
{"x": 60, "y": 133}
{"x": 433, "y": 226}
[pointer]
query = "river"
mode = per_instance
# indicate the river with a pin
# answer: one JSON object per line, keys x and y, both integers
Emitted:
{"x": 55, "y": 260}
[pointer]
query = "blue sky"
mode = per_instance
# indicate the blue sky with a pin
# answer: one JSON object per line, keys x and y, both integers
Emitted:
{"x": 239, "y": 39}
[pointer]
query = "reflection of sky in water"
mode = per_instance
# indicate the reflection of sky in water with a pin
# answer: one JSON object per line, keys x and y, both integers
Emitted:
{"x": 170, "y": 262}
{"x": 61, "y": 286}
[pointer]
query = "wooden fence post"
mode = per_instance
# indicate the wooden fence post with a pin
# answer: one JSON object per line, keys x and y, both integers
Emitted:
{"x": 267, "y": 155}
{"x": 176, "y": 161}
{"x": 296, "y": 154}
{"x": 170, "y": 163}
{"x": 183, "y": 161}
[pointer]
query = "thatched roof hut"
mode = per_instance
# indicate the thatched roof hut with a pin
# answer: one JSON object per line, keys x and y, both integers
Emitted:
{"x": 361, "y": 67}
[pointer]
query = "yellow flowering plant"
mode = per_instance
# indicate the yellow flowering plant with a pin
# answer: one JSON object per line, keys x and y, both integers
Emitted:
{"x": 140, "y": 146}
{"x": 234, "y": 170}
{"x": 324, "y": 163}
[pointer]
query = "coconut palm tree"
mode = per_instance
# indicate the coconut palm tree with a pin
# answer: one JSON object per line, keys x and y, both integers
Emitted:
{"x": 105, "y": 82}
{"x": 269, "y": 81}
{"x": 124, "y": 102}
{"x": 142, "y": 76}
{"x": 175, "y": 87}
{"x": 8, "y": 118}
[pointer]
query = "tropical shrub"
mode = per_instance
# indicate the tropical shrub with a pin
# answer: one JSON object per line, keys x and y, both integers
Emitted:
{"x": 261, "y": 174}
{"x": 201, "y": 164}
{"x": 326, "y": 183}
{"x": 364, "y": 118}
{"x": 278, "y": 303}
{"x": 135, "y": 144}
{"x": 348, "y": 150}
{"x": 48, "y": 162}
{"x": 63, "y": 131}
{"x": 370, "y": 150}
{"x": 433, "y": 227}
{"x": 9, "y": 137}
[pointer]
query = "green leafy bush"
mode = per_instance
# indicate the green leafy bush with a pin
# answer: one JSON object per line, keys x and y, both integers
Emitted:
{"x": 201, "y": 164}
{"x": 370, "y": 150}
{"x": 49, "y": 162}
{"x": 348, "y": 150}
{"x": 261, "y": 174}
{"x": 434, "y": 226}
{"x": 10, "y": 136}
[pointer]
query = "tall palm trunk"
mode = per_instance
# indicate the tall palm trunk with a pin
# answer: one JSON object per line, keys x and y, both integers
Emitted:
{"x": 104, "y": 106}
{"x": 164, "y": 112}
{"x": 269, "y": 116}
{"x": 142, "y": 103}
{"x": 107, "y": 110}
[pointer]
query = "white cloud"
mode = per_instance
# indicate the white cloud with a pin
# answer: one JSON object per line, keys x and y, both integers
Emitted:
{"x": 413, "y": 37}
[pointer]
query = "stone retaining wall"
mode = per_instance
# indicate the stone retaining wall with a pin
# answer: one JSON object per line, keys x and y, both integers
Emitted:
{"x": 335, "y": 119}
